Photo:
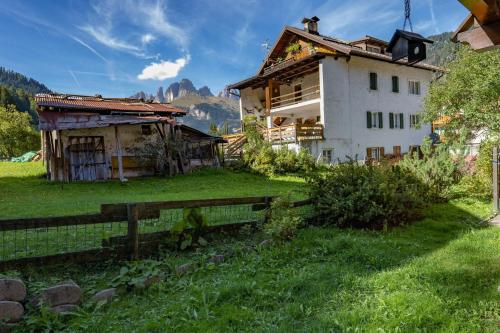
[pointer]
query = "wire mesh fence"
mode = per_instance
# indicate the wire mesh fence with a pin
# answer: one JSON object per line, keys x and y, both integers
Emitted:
{"x": 41, "y": 237}
{"x": 45, "y": 241}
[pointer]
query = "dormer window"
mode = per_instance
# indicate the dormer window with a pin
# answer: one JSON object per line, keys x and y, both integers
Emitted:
{"x": 374, "y": 49}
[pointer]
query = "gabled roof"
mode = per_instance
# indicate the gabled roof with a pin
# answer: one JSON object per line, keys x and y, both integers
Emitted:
{"x": 413, "y": 36}
{"x": 337, "y": 46}
{"x": 98, "y": 103}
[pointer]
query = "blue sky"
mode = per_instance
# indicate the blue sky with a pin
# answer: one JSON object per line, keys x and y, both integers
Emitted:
{"x": 118, "y": 47}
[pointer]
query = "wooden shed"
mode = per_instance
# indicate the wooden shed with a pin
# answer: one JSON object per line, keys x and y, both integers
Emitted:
{"x": 87, "y": 138}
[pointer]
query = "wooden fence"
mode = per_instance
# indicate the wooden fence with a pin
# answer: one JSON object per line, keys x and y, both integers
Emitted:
{"x": 118, "y": 231}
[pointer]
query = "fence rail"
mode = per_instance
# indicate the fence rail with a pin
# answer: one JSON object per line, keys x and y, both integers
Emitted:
{"x": 120, "y": 230}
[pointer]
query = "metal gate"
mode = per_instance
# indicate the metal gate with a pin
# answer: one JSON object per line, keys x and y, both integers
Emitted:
{"x": 87, "y": 160}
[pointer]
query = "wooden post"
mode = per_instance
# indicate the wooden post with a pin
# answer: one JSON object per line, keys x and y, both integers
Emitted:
{"x": 495, "y": 179}
{"x": 61, "y": 152}
{"x": 119, "y": 153}
{"x": 133, "y": 230}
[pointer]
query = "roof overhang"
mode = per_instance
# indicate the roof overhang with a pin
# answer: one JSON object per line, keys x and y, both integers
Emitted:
{"x": 282, "y": 72}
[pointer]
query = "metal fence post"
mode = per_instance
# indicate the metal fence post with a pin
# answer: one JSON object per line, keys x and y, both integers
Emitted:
{"x": 133, "y": 230}
{"x": 495, "y": 179}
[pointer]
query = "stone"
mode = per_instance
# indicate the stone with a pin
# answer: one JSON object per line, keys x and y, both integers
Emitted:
{"x": 217, "y": 259}
{"x": 11, "y": 311}
{"x": 64, "y": 308}
{"x": 183, "y": 269}
{"x": 266, "y": 243}
{"x": 104, "y": 295}
{"x": 155, "y": 279}
{"x": 12, "y": 290}
{"x": 66, "y": 293}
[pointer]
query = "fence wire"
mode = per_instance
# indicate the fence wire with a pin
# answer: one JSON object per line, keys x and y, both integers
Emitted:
{"x": 45, "y": 241}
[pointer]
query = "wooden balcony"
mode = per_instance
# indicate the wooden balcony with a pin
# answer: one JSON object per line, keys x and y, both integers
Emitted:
{"x": 294, "y": 133}
{"x": 299, "y": 96}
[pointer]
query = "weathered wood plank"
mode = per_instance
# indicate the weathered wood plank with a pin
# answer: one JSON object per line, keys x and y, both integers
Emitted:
{"x": 57, "y": 221}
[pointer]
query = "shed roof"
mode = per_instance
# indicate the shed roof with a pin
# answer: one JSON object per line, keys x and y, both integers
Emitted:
{"x": 98, "y": 103}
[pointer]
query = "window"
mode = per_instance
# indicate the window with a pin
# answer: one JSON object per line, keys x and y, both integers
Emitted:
{"x": 395, "y": 84}
{"x": 373, "y": 49}
{"x": 396, "y": 120}
{"x": 327, "y": 155}
{"x": 414, "y": 87}
{"x": 374, "y": 153}
{"x": 146, "y": 129}
{"x": 414, "y": 120}
{"x": 396, "y": 150}
{"x": 374, "y": 120}
{"x": 373, "y": 81}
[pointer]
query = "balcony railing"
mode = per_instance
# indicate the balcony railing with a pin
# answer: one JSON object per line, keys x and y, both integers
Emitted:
{"x": 294, "y": 133}
{"x": 296, "y": 97}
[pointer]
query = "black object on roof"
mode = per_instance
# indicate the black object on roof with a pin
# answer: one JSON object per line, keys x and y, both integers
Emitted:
{"x": 406, "y": 44}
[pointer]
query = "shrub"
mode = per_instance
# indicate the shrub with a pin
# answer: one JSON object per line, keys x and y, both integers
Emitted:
{"x": 283, "y": 220}
{"x": 364, "y": 196}
{"x": 435, "y": 168}
{"x": 259, "y": 156}
{"x": 17, "y": 135}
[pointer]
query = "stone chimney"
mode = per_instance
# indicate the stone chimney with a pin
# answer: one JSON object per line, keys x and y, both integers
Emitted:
{"x": 311, "y": 25}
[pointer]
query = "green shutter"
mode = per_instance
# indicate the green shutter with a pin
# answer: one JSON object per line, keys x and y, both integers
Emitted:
{"x": 395, "y": 84}
{"x": 373, "y": 81}
{"x": 391, "y": 120}
{"x": 401, "y": 121}
{"x": 368, "y": 119}
{"x": 380, "y": 123}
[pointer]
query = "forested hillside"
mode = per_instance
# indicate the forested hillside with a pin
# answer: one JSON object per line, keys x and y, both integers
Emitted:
{"x": 443, "y": 50}
{"x": 16, "y": 80}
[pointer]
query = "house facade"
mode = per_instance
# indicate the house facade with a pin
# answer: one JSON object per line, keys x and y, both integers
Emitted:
{"x": 87, "y": 138}
{"x": 337, "y": 99}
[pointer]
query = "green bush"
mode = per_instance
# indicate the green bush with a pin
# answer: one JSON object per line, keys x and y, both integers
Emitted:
{"x": 259, "y": 156}
{"x": 435, "y": 168}
{"x": 17, "y": 135}
{"x": 364, "y": 196}
{"x": 283, "y": 220}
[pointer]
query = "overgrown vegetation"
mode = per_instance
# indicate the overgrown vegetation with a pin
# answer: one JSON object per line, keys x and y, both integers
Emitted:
{"x": 434, "y": 167}
{"x": 283, "y": 220}
{"x": 260, "y": 157}
{"x": 436, "y": 275}
{"x": 366, "y": 196}
{"x": 17, "y": 135}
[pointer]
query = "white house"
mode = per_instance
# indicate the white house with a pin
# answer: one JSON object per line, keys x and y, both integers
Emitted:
{"x": 337, "y": 98}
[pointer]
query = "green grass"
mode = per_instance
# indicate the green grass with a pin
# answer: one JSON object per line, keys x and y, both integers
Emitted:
{"x": 436, "y": 275}
{"x": 25, "y": 193}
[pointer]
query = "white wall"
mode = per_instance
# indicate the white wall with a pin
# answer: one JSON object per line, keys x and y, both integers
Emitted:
{"x": 346, "y": 97}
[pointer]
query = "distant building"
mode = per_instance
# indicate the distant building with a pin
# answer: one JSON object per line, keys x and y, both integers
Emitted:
{"x": 337, "y": 98}
{"x": 88, "y": 138}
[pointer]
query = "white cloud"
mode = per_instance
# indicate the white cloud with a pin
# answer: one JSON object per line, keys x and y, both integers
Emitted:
{"x": 90, "y": 48}
{"x": 103, "y": 36}
{"x": 147, "y": 38}
{"x": 163, "y": 70}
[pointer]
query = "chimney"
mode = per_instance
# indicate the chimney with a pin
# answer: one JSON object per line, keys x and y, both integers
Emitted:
{"x": 311, "y": 25}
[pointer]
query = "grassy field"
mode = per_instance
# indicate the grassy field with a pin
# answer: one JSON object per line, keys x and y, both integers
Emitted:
{"x": 436, "y": 275}
{"x": 25, "y": 193}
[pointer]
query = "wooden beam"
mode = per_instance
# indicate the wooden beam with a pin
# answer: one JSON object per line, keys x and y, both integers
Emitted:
{"x": 119, "y": 154}
{"x": 481, "y": 37}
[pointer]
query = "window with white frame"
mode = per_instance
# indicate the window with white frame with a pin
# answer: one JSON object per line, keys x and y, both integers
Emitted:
{"x": 414, "y": 87}
{"x": 414, "y": 120}
{"x": 327, "y": 156}
{"x": 374, "y": 153}
{"x": 396, "y": 120}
